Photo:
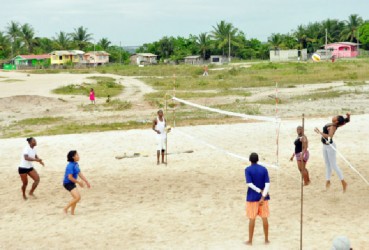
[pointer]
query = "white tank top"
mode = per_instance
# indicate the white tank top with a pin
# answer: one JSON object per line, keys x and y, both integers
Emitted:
{"x": 160, "y": 126}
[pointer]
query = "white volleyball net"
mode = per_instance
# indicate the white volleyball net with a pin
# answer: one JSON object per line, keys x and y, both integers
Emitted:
{"x": 251, "y": 133}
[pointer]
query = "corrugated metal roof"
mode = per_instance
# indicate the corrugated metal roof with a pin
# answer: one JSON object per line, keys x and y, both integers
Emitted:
{"x": 38, "y": 57}
{"x": 67, "y": 52}
{"x": 98, "y": 53}
{"x": 192, "y": 57}
{"x": 145, "y": 54}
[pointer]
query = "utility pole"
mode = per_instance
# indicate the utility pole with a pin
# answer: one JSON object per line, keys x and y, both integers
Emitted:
{"x": 120, "y": 52}
{"x": 357, "y": 40}
{"x": 326, "y": 43}
{"x": 229, "y": 47}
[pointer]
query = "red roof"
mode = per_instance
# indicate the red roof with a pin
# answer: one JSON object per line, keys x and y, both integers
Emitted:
{"x": 38, "y": 57}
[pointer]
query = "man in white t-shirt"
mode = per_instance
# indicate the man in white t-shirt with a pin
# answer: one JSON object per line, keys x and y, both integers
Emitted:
{"x": 29, "y": 155}
{"x": 158, "y": 126}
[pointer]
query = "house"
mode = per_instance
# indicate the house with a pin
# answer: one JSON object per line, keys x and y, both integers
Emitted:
{"x": 21, "y": 61}
{"x": 193, "y": 60}
{"x": 343, "y": 49}
{"x": 96, "y": 57}
{"x": 64, "y": 57}
{"x": 143, "y": 59}
{"x": 290, "y": 55}
{"x": 218, "y": 59}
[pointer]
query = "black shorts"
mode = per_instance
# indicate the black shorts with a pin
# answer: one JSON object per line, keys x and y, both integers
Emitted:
{"x": 69, "y": 186}
{"x": 24, "y": 170}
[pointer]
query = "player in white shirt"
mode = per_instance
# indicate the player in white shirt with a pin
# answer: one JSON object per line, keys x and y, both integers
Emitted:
{"x": 29, "y": 155}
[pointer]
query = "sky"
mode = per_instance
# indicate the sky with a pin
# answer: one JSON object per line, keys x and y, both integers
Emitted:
{"x": 135, "y": 22}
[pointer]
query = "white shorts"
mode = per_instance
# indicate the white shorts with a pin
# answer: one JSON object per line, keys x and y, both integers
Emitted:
{"x": 161, "y": 142}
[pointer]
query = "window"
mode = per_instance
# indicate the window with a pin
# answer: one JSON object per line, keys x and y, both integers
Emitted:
{"x": 60, "y": 58}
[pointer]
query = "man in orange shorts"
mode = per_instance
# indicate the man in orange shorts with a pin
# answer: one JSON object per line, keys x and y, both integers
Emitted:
{"x": 257, "y": 179}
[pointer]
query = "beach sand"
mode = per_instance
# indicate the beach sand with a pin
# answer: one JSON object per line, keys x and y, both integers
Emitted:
{"x": 197, "y": 201}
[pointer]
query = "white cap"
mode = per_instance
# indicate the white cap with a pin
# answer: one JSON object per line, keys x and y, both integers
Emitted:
{"x": 341, "y": 243}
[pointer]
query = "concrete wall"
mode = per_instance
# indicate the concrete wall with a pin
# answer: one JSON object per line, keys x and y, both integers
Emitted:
{"x": 292, "y": 55}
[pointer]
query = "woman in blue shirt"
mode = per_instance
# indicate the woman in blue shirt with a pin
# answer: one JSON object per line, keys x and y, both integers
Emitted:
{"x": 72, "y": 172}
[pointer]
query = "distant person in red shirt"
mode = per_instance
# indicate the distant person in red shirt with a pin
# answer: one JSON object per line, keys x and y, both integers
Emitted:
{"x": 92, "y": 96}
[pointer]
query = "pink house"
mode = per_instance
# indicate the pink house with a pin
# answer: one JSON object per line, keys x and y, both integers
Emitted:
{"x": 342, "y": 49}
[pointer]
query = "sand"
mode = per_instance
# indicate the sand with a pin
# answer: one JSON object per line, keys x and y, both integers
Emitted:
{"x": 197, "y": 201}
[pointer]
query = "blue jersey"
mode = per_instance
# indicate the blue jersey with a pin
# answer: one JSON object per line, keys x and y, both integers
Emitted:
{"x": 258, "y": 175}
{"x": 73, "y": 169}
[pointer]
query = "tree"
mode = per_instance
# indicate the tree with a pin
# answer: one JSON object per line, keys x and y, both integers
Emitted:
{"x": 224, "y": 33}
{"x": 5, "y": 45}
{"x": 166, "y": 47}
{"x": 104, "y": 43}
{"x": 350, "y": 30}
{"x": 364, "y": 35}
{"x": 275, "y": 41}
{"x": 203, "y": 43}
{"x": 27, "y": 35}
{"x": 62, "y": 41}
{"x": 81, "y": 37}
{"x": 13, "y": 32}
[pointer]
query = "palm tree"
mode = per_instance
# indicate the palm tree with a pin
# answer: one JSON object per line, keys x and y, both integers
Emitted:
{"x": 13, "y": 32}
{"x": 5, "y": 44}
{"x": 81, "y": 37}
{"x": 301, "y": 36}
{"x": 104, "y": 43}
{"x": 275, "y": 41}
{"x": 350, "y": 31}
{"x": 224, "y": 33}
{"x": 27, "y": 35}
{"x": 62, "y": 40}
{"x": 334, "y": 28}
{"x": 203, "y": 42}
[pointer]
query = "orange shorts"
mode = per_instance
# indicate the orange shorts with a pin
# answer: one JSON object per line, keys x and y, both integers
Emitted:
{"x": 253, "y": 209}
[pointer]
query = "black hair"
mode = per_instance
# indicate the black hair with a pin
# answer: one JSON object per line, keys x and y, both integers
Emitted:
{"x": 71, "y": 154}
{"x": 29, "y": 139}
{"x": 160, "y": 110}
{"x": 254, "y": 158}
{"x": 342, "y": 121}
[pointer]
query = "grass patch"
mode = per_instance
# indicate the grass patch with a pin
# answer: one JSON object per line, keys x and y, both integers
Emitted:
{"x": 12, "y": 80}
{"x": 355, "y": 83}
{"x": 103, "y": 87}
{"x": 320, "y": 95}
{"x": 38, "y": 121}
{"x": 117, "y": 105}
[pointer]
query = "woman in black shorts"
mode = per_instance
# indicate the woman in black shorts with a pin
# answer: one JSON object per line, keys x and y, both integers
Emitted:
{"x": 29, "y": 155}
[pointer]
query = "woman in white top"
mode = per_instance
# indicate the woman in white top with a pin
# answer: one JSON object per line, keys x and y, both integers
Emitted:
{"x": 159, "y": 127}
{"x": 26, "y": 168}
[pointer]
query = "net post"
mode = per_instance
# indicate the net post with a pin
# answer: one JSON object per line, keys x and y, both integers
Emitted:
{"x": 174, "y": 106}
{"x": 302, "y": 192}
{"x": 166, "y": 139}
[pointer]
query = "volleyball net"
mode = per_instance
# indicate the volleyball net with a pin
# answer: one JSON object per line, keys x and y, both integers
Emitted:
{"x": 235, "y": 141}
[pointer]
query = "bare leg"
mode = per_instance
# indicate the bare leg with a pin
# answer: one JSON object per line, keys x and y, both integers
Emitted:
{"x": 304, "y": 172}
{"x": 24, "y": 179}
{"x": 251, "y": 231}
{"x": 163, "y": 156}
{"x": 158, "y": 157}
{"x": 266, "y": 229}
{"x": 344, "y": 185}
{"x": 72, "y": 204}
{"x": 36, "y": 180}
{"x": 327, "y": 184}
